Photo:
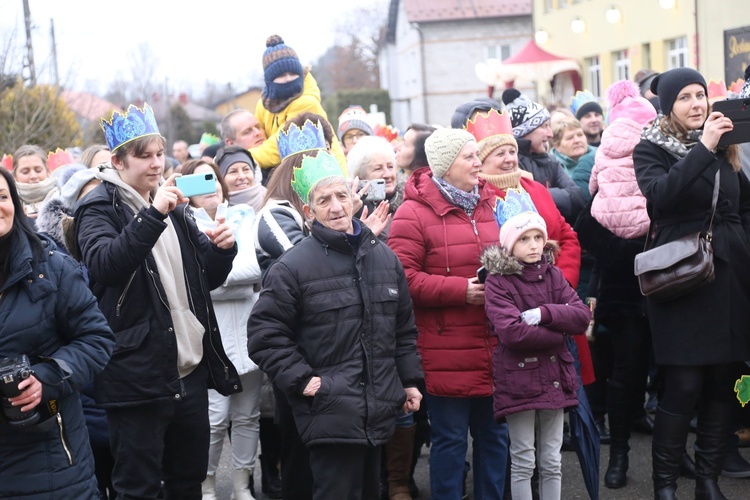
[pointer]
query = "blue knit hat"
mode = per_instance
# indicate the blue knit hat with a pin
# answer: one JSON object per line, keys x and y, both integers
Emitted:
{"x": 277, "y": 60}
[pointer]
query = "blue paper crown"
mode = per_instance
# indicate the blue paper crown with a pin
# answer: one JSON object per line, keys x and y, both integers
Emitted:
{"x": 296, "y": 139}
{"x": 134, "y": 123}
{"x": 516, "y": 201}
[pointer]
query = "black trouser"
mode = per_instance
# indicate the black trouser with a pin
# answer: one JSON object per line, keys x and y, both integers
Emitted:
{"x": 164, "y": 440}
{"x": 296, "y": 476}
{"x": 602, "y": 359}
{"x": 345, "y": 471}
{"x": 631, "y": 343}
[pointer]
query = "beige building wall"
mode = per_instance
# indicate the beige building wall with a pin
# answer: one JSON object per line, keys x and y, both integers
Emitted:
{"x": 645, "y": 30}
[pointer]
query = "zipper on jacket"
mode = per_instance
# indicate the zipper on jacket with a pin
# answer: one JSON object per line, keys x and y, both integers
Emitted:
{"x": 474, "y": 225}
{"x": 62, "y": 438}
{"x": 206, "y": 298}
{"x": 151, "y": 273}
{"x": 122, "y": 296}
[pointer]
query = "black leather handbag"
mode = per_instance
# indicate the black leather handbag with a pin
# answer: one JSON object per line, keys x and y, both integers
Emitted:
{"x": 677, "y": 268}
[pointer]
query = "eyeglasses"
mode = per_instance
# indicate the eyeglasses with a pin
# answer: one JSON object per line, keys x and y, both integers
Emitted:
{"x": 352, "y": 136}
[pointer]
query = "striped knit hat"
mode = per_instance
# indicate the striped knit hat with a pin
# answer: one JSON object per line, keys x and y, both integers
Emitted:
{"x": 277, "y": 60}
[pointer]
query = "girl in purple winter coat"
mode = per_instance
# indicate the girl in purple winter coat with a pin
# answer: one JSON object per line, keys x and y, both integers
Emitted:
{"x": 531, "y": 308}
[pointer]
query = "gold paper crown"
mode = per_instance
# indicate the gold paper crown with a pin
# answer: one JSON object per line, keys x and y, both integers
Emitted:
{"x": 313, "y": 170}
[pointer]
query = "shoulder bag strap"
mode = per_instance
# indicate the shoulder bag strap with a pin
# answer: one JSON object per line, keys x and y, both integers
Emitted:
{"x": 714, "y": 200}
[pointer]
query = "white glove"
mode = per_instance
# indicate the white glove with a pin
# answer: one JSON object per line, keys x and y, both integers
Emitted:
{"x": 532, "y": 316}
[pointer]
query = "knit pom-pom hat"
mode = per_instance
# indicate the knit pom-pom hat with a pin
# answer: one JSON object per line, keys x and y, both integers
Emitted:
{"x": 278, "y": 59}
{"x": 354, "y": 117}
{"x": 625, "y": 101}
{"x": 525, "y": 115}
{"x": 442, "y": 148}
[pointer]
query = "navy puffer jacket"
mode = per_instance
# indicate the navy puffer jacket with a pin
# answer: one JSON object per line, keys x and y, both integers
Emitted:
{"x": 48, "y": 313}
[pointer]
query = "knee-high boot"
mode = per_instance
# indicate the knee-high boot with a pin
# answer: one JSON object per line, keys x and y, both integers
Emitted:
{"x": 398, "y": 452}
{"x": 714, "y": 429}
{"x": 619, "y": 411}
{"x": 670, "y": 435}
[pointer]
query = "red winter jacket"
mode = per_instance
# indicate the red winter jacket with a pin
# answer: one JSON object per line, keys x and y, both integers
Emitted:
{"x": 439, "y": 246}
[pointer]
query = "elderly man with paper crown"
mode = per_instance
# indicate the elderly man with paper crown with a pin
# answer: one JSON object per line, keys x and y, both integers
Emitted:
{"x": 151, "y": 270}
{"x": 334, "y": 329}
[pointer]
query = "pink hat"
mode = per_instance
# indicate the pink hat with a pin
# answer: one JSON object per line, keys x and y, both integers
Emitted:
{"x": 625, "y": 101}
{"x": 513, "y": 228}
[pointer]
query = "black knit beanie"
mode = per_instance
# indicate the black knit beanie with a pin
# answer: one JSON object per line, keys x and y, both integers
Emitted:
{"x": 465, "y": 110}
{"x": 587, "y": 108}
{"x": 668, "y": 85}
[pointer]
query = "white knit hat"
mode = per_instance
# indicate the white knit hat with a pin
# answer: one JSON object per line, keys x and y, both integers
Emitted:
{"x": 442, "y": 148}
{"x": 513, "y": 228}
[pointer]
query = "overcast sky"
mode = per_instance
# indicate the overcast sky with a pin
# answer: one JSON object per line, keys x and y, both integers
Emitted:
{"x": 218, "y": 40}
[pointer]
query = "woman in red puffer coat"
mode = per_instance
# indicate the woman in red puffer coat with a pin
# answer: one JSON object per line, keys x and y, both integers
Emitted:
{"x": 439, "y": 233}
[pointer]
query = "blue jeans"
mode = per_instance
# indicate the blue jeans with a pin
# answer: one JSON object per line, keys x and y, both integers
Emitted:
{"x": 452, "y": 419}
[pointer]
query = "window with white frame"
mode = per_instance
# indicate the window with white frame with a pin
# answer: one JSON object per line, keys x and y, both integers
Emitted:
{"x": 548, "y": 6}
{"x": 497, "y": 52}
{"x": 622, "y": 65}
{"x": 677, "y": 53}
{"x": 562, "y": 3}
{"x": 594, "y": 83}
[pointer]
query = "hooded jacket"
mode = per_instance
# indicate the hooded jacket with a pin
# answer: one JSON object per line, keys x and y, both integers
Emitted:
{"x": 439, "y": 246}
{"x": 341, "y": 312}
{"x": 533, "y": 369}
{"x": 116, "y": 247}
{"x": 619, "y": 204}
{"x": 48, "y": 313}
{"x": 547, "y": 171}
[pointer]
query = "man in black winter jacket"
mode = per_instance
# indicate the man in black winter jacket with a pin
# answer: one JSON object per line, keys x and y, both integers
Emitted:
{"x": 334, "y": 329}
{"x": 532, "y": 131}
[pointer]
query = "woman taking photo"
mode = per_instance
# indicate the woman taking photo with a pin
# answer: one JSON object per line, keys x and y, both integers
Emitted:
{"x": 700, "y": 336}
{"x": 49, "y": 315}
{"x": 438, "y": 233}
{"x": 233, "y": 302}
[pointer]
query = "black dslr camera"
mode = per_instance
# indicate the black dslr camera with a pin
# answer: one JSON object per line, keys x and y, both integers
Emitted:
{"x": 12, "y": 371}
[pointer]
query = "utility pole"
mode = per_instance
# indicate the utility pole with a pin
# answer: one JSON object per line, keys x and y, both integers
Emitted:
{"x": 29, "y": 49}
{"x": 54, "y": 52}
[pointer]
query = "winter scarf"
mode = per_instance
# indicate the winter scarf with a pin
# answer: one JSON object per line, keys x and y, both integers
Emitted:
{"x": 32, "y": 195}
{"x": 467, "y": 201}
{"x": 252, "y": 196}
{"x": 166, "y": 252}
{"x": 678, "y": 145}
{"x": 511, "y": 180}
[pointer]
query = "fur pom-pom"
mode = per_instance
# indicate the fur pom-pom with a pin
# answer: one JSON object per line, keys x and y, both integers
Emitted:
{"x": 510, "y": 95}
{"x": 620, "y": 90}
{"x": 274, "y": 40}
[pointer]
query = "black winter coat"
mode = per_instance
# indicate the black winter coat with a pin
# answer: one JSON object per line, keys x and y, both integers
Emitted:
{"x": 48, "y": 313}
{"x": 116, "y": 247}
{"x": 343, "y": 314}
{"x": 568, "y": 197}
{"x": 710, "y": 325}
{"x": 618, "y": 293}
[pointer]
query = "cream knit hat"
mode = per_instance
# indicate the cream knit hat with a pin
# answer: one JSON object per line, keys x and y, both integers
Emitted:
{"x": 442, "y": 148}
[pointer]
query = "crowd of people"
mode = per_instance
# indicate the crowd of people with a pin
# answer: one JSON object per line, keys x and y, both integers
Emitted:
{"x": 336, "y": 299}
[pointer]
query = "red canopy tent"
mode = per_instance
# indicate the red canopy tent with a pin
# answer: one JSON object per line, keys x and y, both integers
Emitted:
{"x": 534, "y": 64}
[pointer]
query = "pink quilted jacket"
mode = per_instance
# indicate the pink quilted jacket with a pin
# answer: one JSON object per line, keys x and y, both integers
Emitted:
{"x": 619, "y": 204}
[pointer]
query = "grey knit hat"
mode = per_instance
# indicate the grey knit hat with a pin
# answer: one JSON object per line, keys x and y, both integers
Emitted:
{"x": 72, "y": 188}
{"x": 442, "y": 148}
{"x": 525, "y": 115}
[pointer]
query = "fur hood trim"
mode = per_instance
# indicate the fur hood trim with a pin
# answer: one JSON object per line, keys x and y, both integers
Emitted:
{"x": 497, "y": 261}
{"x": 50, "y": 217}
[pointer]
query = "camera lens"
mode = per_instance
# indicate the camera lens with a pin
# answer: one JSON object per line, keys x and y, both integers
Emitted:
{"x": 209, "y": 177}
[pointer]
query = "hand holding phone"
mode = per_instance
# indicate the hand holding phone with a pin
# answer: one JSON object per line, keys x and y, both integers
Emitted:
{"x": 481, "y": 274}
{"x": 196, "y": 184}
{"x": 375, "y": 191}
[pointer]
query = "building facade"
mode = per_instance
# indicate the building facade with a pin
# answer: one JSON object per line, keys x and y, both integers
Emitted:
{"x": 432, "y": 47}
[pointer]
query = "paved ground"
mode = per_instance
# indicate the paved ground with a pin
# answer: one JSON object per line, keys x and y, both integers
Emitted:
{"x": 638, "y": 487}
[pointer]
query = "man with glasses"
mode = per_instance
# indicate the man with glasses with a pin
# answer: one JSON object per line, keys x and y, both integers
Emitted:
{"x": 353, "y": 125}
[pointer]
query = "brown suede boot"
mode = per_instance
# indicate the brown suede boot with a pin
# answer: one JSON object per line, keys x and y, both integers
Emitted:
{"x": 398, "y": 456}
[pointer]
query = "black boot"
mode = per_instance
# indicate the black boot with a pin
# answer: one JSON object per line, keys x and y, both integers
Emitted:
{"x": 668, "y": 446}
{"x": 715, "y": 421}
{"x": 270, "y": 481}
{"x": 687, "y": 466}
{"x": 616, "y": 476}
{"x": 620, "y": 416}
